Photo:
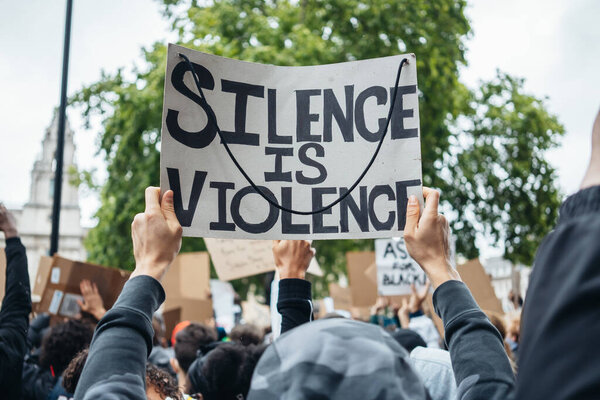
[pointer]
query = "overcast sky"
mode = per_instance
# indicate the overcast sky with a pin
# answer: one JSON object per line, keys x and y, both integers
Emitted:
{"x": 554, "y": 44}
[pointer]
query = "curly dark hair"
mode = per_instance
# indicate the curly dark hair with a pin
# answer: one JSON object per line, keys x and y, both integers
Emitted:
{"x": 191, "y": 339}
{"x": 246, "y": 334}
{"x": 225, "y": 373}
{"x": 62, "y": 342}
{"x": 163, "y": 383}
{"x": 73, "y": 371}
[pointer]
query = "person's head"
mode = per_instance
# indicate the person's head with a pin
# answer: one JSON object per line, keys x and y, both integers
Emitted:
{"x": 62, "y": 342}
{"x": 187, "y": 343}
{"x": 246, "y": 334}
{"x": 160, "y": 385}
{"x": 158, "y": 324}
{"x": 73, "y": 371}
{"x": 224, "y": 373}
{"x": 336, "y": 359}
{"x": 408, "y": 339}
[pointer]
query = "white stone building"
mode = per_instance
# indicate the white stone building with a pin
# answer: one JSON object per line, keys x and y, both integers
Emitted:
{"x": 34, "y": 220}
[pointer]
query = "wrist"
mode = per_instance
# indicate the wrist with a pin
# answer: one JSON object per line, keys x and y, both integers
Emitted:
{"x": 10, "y": 233}
{"x": 98, "y": 314}
{"x": 291, "y": 274}
{"x": 439, "y": 273}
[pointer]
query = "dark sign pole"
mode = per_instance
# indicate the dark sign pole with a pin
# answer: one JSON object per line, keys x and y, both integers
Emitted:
{"x": 60, "y": 144}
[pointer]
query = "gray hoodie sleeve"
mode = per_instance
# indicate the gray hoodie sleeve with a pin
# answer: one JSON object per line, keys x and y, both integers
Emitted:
{"x": 116, "y": 364}
{"x": 479, "y": 361}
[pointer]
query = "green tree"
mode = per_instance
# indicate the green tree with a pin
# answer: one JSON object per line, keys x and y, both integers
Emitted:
{"x": 498, "y": 181}
{"x": 286, "y": 32}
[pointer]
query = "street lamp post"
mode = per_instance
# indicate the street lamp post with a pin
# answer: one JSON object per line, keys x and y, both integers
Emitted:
{"x": 60, "y": 144}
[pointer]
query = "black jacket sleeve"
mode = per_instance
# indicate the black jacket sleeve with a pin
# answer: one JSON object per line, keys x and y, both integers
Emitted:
{"x": 559, "y": 351}
{"x": 116, "y": 364}
{"x": 479, "y": 361}
{"x": 14, "y": 319}
{"x": 294, "y": 303}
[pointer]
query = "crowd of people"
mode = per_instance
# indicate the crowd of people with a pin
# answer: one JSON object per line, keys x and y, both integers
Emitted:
{"x": 125, "y": 352}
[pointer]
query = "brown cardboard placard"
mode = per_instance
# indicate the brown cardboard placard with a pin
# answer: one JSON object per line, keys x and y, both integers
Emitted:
{"x": 363, "y": 289}
{"x": 61, "y": 291}
{"x": 371, "y": 273}
{"x": 479, "y": 283}
{"x": 42, "y": 275}
{"x": 188, "y": 278}
{"x": 256, "y": 314}
{"x": 342, "y": 297}
{"x": 193, "y": 310}
{"x": 234, "y": 259}
{"x": 187, "y": 288}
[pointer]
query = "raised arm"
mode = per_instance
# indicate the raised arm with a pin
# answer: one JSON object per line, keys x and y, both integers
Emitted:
{"x": 116, "y": 363}
{"x": 479, "y": 361}
{"x": 16, "y": 306}
{"x": 292, "y": 258}
{"x": 558, "y": 349}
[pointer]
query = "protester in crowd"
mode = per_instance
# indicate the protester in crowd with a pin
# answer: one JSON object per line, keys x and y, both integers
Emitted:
{"x": 558, "y": 342}
{"x": 379, "y": 314}
{"x": 294, "y": 302}
{"x": 246, "y": 334}
{"x": 16, "y": 306}
{"x": 116, "y": 363}
{"x": 434, "y": 367}
{"x": 188, "y": 342}
{"x": 513, "y": 332}
{"x": 71, "y": 374}
{"x": 225, "y": 373}
{"x": 38, "y": 327}
{"x": 498, "y": 322}
{"x": 408, "y": 339}
{"x": 161, "y": 355}
{"x": 60, "y": 344}
{"x": 411, "y": 316}
{"x": 92, "y": 303}
{"x": 160, "y": 385}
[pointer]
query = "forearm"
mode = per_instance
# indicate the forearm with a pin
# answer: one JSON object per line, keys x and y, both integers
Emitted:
{"x": 479, "y": 361}
{"x": 122, "y": 342}
{"x": 294, "y": 303}
{"x": 16, "y": 305}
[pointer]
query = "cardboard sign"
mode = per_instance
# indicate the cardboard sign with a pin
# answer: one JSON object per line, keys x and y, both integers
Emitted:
{"x": 234, "y": 259}
{"x": 61, "y": 291}
{"x": 342, "y": 297}
{"x": 187, "y": 289}
{"x": 479, "y": 283}
{"x": 363, "y": 289}
{"x": 255, "y": 313}
{"x": 194, "y": 310}
{"x": 304, "y": 135}
{"x": 42, "y": 276}
{"x": 396, "y": 270}
{"x": 362, "y": 280}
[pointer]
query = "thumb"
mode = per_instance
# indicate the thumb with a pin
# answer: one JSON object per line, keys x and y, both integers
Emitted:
{"x": 412, "y": 214}
{"x": 168, "y": 208}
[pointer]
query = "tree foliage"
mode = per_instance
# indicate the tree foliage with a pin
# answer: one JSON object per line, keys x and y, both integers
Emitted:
{"x": 305, "y": 32}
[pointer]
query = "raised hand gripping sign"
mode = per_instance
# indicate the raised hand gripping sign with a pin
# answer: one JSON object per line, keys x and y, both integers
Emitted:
{"x": 257, "y": 151}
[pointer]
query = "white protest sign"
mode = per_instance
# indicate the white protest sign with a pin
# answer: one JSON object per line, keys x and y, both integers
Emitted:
{"x": 304, "y": 135}
{"x": 234, "y": 259}
{"x": 396, "y": 270}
